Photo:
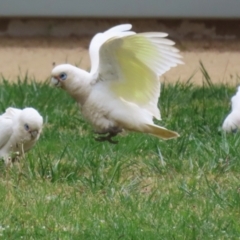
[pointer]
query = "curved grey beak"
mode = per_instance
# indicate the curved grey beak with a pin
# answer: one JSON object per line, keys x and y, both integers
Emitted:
{"x": 34, "y": 133}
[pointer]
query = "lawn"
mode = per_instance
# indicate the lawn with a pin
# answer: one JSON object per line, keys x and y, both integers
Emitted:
{"x": 71, "y": 187}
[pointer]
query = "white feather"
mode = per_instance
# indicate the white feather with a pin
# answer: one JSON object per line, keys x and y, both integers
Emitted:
{"x": 123, "y": 87}
{"x": 100, "y": 38}
{"x": 232, "y": 121}
{"x": 19, "y": 131}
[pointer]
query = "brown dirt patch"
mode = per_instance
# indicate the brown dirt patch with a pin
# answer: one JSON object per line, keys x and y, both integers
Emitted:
{"x": 36, "y": 55}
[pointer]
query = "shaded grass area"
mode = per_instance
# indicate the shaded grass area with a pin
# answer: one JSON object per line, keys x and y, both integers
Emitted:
{"x": 72, "y": 187}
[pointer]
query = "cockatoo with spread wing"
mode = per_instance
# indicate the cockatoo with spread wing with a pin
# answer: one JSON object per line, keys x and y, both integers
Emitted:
{"x": 232, "y": 121}
{"x": 19, "y": 131}
{"x": 121, "y": 90}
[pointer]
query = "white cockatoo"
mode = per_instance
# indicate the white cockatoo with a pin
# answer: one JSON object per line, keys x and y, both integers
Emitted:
{"x": 232, "y": 121}
{"x": 121, "y": 90}
{"x": 19, "y": 131}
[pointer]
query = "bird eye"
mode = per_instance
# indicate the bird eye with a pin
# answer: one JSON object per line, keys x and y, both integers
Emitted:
{"x": 26, "y": 127}
{"x": 63, "y": 76}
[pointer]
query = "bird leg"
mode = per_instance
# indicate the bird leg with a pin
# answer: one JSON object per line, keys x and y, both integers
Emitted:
{"x": 11, "y": 159}
{"x": 112, "y": 132}
{"x": 15, "y": 157}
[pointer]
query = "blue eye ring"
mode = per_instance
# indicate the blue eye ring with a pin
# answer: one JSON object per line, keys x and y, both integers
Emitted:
{"x": 63, "y": 76}
{"x": 26, "y": 127}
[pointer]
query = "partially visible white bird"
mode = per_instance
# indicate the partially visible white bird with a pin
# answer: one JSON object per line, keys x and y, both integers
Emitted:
{"x": 232, "y": 121}
{"x": 121, "y": 90}
{"x": 19, "y": 131}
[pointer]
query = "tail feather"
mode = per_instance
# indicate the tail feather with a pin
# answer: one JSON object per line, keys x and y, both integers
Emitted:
{"x": 160, "y": 132}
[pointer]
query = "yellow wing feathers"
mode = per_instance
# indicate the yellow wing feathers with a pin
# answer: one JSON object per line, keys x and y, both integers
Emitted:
{"x": 132, "y": 65}
{"x": 160, "y": 132}
{"x": 137, "y": 81}
{"x": 122, "y": 89}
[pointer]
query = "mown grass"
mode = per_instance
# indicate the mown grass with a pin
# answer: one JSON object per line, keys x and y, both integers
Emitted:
{"x": 72, "y": 187}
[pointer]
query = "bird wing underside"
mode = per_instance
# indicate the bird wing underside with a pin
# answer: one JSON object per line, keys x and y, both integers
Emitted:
{"x": 100, "y": 38}
{"x": 131, "y": 65}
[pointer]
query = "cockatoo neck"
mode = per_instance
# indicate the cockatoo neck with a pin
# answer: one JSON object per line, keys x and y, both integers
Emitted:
{"x": 80, "y": 87}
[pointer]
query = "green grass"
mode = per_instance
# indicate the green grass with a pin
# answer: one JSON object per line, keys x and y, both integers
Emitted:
{"x": 72, "y": 187}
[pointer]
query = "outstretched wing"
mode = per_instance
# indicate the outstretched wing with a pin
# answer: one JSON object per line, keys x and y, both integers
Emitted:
{"x": 100, "y": 38}
{"x": 131, "y": 65}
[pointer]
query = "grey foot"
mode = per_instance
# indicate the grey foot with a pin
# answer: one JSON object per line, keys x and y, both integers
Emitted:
{"x": 111, "y": 132}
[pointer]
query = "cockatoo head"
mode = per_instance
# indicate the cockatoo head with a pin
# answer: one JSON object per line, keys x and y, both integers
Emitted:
{"x": 64, "y": 75}
{"x": 30, "y": 122}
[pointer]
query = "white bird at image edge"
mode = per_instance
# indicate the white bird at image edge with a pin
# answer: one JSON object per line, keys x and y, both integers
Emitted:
{"x": 19, "y": 131}
{"x": 122, "y": 89}
{"x": 232, "y": 121}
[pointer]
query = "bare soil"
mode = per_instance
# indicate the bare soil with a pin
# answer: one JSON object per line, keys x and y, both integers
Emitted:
{"x": 35, "y": 56}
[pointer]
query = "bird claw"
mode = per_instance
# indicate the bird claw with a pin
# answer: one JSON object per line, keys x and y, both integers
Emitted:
{"x": 106, "y": 138}
{"x": 112, "y": 132}
{"x": 15, "y": 157}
